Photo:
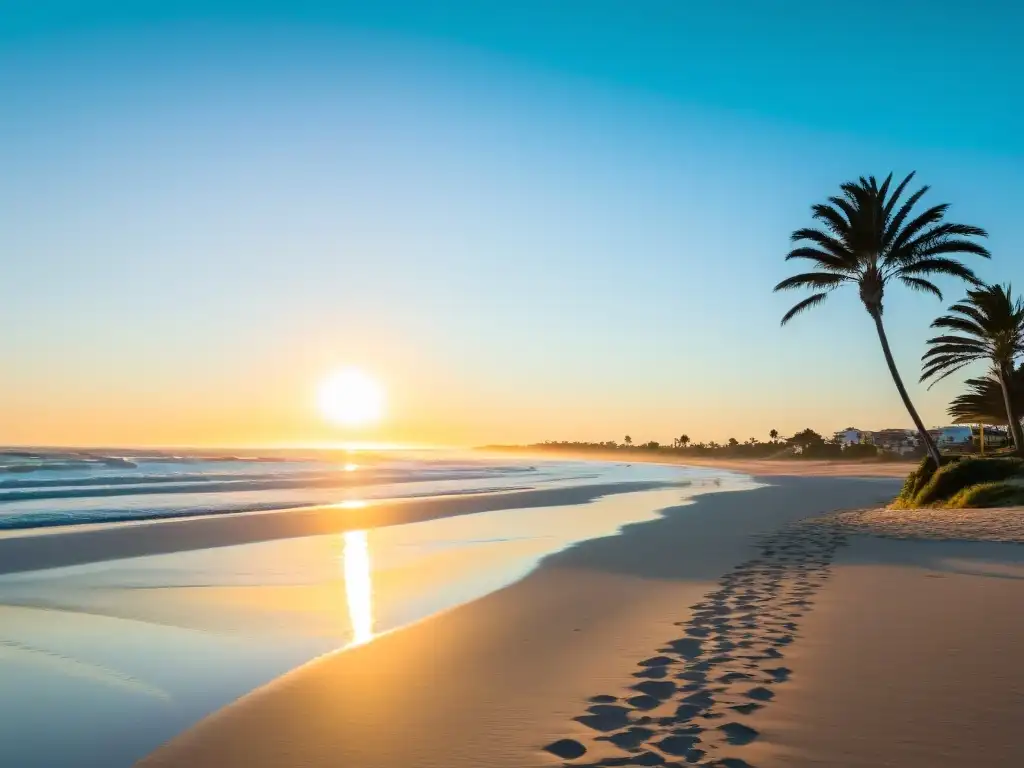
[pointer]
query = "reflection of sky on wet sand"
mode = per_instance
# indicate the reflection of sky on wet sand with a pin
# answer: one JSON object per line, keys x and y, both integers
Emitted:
{"x": 127, "y": 653}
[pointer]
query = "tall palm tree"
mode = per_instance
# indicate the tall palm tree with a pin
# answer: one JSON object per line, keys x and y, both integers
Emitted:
{"x": 868, "y": 238}
{"x": 684, "y": 440}
{"x": 774, "y": 435}
{"x": 989, "y": 326}
{"x": 983, "y": 402}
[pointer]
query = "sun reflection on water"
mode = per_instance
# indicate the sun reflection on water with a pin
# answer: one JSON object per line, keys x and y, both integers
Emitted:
{"x": 358, "y": 588}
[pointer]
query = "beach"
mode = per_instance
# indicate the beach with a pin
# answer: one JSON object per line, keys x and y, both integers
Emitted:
{"x": 495, "y": 681}
{"x": 510, "y": 385}
{"x": 135, "y": 600}
{"x": 835, "y": 642}
{"x": 623, "y": 616}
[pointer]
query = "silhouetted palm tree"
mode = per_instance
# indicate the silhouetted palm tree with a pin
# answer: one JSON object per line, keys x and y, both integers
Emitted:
{"x": 990, "y": 324}
{"x": 627, "y": 440}
{"x": 868, "y": 239}
{"x": 684, "y": 440}
{"x": 774, "y": 435}
{"x": 983, "y": 402}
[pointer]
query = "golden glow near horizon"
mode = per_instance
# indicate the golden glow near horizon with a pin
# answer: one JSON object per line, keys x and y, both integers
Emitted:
{"x": 358, "y": 586}
{"x": 351, "y": 504}
{"x": 352, "y": 398}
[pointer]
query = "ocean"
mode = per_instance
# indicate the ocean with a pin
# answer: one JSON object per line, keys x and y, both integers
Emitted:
{"x": 103, "y": 661}
{"x": 50, "y": 488}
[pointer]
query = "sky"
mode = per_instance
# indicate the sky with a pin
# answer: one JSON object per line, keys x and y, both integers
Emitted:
{"x": 529, "y": 221}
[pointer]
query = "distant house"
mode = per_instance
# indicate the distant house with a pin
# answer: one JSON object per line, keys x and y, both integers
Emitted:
{"x": 852, "y": 436}
{"x": 952, "y": 436}
{"x": 995, "y": 437}
{"x": 901, "y": 441}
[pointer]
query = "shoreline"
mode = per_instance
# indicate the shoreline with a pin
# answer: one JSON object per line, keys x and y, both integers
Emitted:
{"x": 24, "y": 549}
{"x": 573, "y": 628}
{"x": 253, "y": 612}
{"x": 59, "y": 546}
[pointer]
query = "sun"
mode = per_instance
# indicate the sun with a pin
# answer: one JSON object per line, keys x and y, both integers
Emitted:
{"x": 351, "y": 397}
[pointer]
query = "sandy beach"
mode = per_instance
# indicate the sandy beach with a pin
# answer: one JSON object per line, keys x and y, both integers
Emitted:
{"x": 731, "y": 634}
{"x": 588, "y": 648}
{"x": 787, "y": 619}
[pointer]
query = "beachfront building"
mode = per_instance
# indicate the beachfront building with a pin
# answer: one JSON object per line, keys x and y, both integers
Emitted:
{"x": 949, "y": 437}
{"x": 901, "y": 441}
{"x": 852, "y": 436}
{"x": 995, "y": 437}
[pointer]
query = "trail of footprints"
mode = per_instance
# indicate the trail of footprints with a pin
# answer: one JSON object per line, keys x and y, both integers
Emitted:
{"x": 691, "y": 703}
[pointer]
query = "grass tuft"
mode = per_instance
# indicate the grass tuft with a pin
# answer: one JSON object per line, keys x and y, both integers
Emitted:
{"x": 997, "y": 494}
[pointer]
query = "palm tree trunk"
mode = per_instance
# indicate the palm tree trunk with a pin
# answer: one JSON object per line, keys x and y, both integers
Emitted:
{"x": 929, "y": 444}
{"x": 1013, "y": 423}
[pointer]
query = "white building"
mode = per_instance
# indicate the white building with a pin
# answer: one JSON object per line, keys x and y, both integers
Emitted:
{"x": 852, "y": 436}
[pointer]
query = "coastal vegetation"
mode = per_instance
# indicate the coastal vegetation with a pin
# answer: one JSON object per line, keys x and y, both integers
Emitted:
{"x": 983, "y": 402}
{"x": 989, "y": 327}
{"x": 868, "y": 238}
{"x": 806, "y": 444}
{"x": 967, "y": 482}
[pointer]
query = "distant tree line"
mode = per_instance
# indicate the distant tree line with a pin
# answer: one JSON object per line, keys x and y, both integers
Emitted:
{"x": 806, "y": 444}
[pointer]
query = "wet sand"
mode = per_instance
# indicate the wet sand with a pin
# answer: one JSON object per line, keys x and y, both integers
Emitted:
{"x": 617, "y": 646}
{"x": 60, "y": 546}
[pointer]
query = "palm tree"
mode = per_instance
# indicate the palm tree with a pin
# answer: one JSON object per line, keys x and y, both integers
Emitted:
{"x": 990, "y": 323}
{"x": 868, "y": 239}
{"x": 983, "y": 402}
{"x": 774, "y": 435}
{"x": 627, "y": 440}
{"x": 684, "y": 440}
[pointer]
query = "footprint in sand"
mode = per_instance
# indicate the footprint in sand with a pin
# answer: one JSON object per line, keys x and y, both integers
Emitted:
{"x": 755, "y": 608}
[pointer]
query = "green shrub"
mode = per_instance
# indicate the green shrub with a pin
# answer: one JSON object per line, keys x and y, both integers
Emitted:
{"x": 860, "y": 451}
{"x": 998, "y": 494}
{"x": 955, "y": 476}
{"x": 822, "y": 451}
{"x": 918, "y": 479}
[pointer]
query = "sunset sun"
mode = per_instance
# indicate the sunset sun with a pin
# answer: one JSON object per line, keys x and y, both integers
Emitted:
{"x": 351, "y": 397}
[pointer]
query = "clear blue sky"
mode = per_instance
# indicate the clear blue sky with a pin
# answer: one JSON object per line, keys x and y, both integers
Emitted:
{"x": 529, "y": 219}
